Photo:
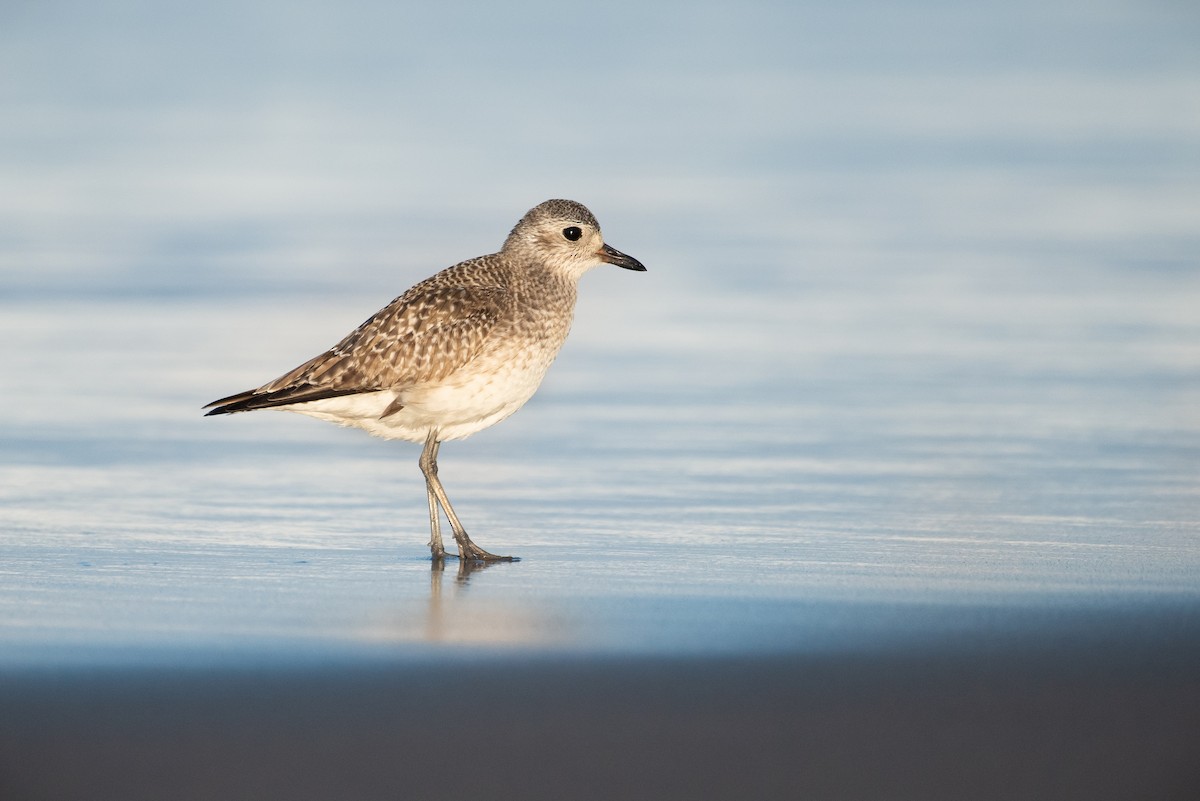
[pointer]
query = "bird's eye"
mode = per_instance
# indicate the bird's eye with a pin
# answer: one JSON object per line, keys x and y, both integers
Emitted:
{"x": 572, "y": 233}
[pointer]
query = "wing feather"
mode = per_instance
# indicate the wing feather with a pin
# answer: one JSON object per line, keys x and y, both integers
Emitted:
{"x": 424, "y": 335}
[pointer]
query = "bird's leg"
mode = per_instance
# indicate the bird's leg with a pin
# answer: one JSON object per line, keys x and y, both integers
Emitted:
{"x": 437, "y": 495}
{"x": 435, "y": 526}
{"x": 428, "y": 465}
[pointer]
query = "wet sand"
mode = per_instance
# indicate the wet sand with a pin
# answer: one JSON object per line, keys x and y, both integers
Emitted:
{"x": 1093, "y": 711}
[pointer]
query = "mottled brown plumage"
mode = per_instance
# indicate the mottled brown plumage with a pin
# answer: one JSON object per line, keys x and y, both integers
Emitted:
{"x": 457, "y": 352}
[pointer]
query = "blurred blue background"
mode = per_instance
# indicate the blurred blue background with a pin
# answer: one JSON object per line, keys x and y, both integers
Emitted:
{"x": 169, "y": 147}
{"x": 920, "y": 321}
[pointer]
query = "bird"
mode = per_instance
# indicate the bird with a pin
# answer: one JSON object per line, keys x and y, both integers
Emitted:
{"x": 455, "y": 354}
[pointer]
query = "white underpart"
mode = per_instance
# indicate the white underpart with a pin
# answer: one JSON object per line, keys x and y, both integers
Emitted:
{"x": 456, "y": 407}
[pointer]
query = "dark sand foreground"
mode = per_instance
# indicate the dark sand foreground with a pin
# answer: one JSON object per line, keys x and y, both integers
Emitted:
{"x": 1113, "y": 715}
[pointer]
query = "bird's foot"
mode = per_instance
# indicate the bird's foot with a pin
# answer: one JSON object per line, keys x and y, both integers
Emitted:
{"x": 469, "y": 551}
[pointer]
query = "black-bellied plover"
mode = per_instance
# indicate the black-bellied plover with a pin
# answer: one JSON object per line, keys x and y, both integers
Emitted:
{"x": 456, "y": 353}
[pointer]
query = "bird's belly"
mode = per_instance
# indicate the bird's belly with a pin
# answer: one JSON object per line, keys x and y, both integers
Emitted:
{"x": 457, "y": 406}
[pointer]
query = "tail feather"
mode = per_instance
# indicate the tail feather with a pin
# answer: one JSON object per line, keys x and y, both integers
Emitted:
{"x": 290, "y": 396}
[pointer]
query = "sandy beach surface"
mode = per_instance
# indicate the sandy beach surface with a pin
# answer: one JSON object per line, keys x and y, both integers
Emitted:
{"x": 1102, "y": 709}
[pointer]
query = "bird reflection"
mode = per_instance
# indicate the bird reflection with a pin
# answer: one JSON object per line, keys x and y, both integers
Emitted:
{"x": 466, "y": 568}
{"x": 439, "y": 618}
{"x": 453, "y": 616}
{"x": 493, "y": 614}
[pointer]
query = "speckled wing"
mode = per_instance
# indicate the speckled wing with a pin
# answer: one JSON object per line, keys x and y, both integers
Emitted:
{"x": 424, "y": 335}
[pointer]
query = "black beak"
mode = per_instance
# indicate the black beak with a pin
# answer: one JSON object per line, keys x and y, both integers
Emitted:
{"x": 614, "y": 256}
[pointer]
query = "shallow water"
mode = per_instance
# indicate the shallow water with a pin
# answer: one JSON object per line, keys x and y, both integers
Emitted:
{"x": 917, "y": 353}
{"x": 841, "y": 497}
